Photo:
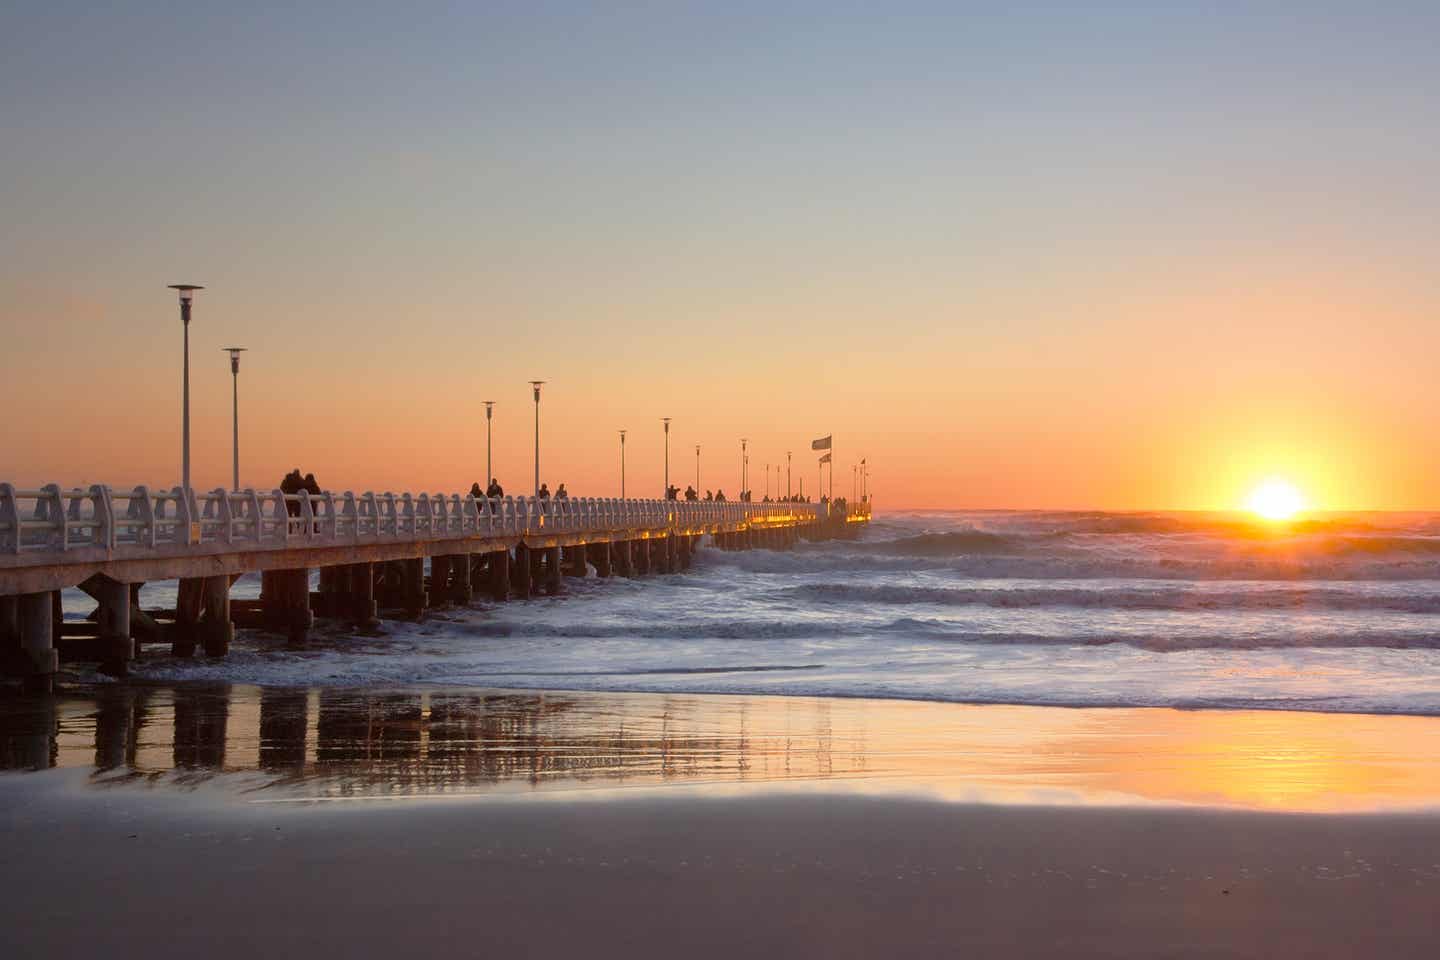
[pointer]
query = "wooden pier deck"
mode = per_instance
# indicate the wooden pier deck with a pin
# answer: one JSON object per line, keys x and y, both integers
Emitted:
{"x": 372, "y": 551}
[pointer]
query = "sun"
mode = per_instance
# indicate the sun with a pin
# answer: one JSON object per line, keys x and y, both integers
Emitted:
{"x": 1275, "y": 499}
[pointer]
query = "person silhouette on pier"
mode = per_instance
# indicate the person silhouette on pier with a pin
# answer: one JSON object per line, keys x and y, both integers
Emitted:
{"x": 561, "y": 493}
{"x": 494, "y": 491}
{"x": 690, "y": 494}
{"x": 476, "y": 492}
{"x": 291, "y": 485}
{"x": 544, "y": 493}
{"x": 719, "y": 496}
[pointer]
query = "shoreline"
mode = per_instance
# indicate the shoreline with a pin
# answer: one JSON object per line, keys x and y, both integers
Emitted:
{"x": 418, "y": 740}
{"x": 382, "y": 821}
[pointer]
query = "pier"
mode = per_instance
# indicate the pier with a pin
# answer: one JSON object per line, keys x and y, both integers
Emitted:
{"x": 377, "y": 554}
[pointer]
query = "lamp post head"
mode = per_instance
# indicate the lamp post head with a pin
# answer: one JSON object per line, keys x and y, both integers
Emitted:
{"x": 187, "y": 291}
{"x": 489, "y": 409}
{"x": 666, "y": 421}
{"x": 622, "y": 437}
{"x": 234, "y": 357}
{"x": 535, "y": 384}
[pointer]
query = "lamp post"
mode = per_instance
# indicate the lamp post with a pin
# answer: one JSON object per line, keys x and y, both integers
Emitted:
{"x": 697, "y": 466}
{"x": 535, "y": 385}
{"x": 667, "y": 457}
{"x": 787, "y": 474}
{"x": 767, "y": 481}
{"x": 187, "y": 294}
{"x": 743, "y": 460}
{"x": 235, "y": 414}
{"x": 622, "y": 464}
{"x": 489, "y": 415}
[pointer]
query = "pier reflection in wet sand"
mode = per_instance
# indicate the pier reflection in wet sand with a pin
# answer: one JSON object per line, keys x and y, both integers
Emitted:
{"x": 335, "y": 742}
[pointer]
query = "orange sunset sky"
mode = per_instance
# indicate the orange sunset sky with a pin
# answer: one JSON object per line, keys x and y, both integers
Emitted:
{"x": 1079, "y": 260}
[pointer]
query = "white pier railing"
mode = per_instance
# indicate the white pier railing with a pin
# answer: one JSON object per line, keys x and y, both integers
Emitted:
{"x": 51, "y": 521}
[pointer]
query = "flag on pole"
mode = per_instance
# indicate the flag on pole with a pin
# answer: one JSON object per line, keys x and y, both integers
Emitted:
{"x": 822, "y": 444}
{"x": 825, "y": 459}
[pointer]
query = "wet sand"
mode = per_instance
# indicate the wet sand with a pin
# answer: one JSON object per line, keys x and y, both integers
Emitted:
{"x": 132, "y": 872}
{"x": 235, "y": 821}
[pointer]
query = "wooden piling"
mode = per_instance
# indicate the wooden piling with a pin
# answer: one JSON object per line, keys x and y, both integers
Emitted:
{"x": 520, "y": 571}
{"x": 216, "y": 628}
{"x": 413, "y": 597}
{"x": 364, "y": 611}
{"x": 37, "y": 641}
{"x": 189, "y": 601}
{"x": 622, "y": 558}
{"x": 439, "y": 581}
{"x": 554, "y": 571}
{"x": 9, "y": 629}
{"x": 296, "y": 616}
{"x": 461, "y": 591}
{"x": 499, "y": 564}
{"x": 599, "y": 554}
{"x": 117, "y": 648}
{"x": 576, "y": 564}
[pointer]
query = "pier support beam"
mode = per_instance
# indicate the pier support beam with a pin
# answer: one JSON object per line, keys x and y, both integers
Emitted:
{"x": 216, "y": 629}
{"x": 439, "y": 581}
{"x": 521, "y": 570}
{"x": 413, "y": 597}
{"x": 117, "y": 649}
{"x": 364, "y": 612}
{"x": 461, "y": 592}
{"x": 642, "y": 557}
{"x": 499, "y": 564}
{"x": 575, "y": 562}
{"x": 189, "y": 602}
{"x": 295, "y": 605}
{"x": 9, "y": 630}
{"x": 37, "y": 641}
{"x": 622, "y": 558}
{"x": 599, "y": 554}
{"x": 553, "y": 571}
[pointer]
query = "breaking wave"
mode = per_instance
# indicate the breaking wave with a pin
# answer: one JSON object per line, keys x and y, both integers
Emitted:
{"x": 1168, "y": 597}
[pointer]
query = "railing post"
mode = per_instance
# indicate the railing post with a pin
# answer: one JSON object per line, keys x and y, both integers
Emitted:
{"x": 184, "y": 517}
{"x": 50, "y": 507}
{"x": 224, "y": 514}
{"x": 9, "y": 520}
{"x": 350, "y": 513}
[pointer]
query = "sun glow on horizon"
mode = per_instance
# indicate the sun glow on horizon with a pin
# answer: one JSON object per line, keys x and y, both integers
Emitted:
{"x": 1275, "y": 499}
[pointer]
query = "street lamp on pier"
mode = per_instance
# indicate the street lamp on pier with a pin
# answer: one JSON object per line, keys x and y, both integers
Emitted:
{"x": 787, "y": 474}
{"x": 744, "y": 470}
{"x": 697, "y": 467}
{"x": 667, "y": 457}
{"x": 187, "y": 294}
{"x": 622, "y": 464}
{"x": 535, "y": 385}
{"x": 235, "y": 414}
{"x": 489, "y": 415}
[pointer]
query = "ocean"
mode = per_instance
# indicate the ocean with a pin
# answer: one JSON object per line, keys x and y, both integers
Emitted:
{"x": 1337, "y": 613}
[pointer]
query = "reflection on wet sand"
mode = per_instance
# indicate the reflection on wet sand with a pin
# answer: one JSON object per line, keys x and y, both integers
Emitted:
{"x": 342, "y": 742}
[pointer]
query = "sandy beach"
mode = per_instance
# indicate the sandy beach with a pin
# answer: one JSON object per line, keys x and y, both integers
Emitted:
{"x": 235, "y": 820}
{"x": 127, "y": 871}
